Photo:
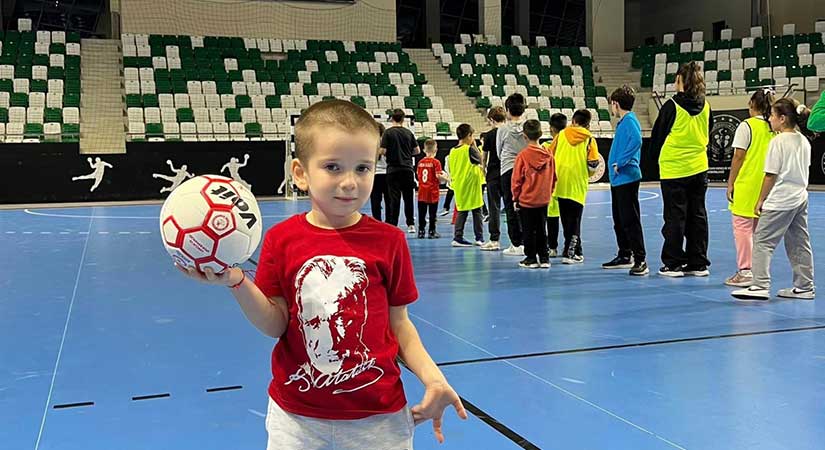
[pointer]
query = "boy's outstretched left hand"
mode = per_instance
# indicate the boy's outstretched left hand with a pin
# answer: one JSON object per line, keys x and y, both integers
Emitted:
{"x": 437, "y": 397}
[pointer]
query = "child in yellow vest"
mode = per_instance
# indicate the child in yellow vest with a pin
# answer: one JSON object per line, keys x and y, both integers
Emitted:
{"x": 576, "y": 155}
{"x": 466, "y": 176}
{"x": 747, "y": 171}
{"x": 558, "y": 122}
{"x": 782, "y": 207}
{"x": 680, "y": 136}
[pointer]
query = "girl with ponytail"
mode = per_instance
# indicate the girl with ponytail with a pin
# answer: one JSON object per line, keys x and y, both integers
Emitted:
{"x": 750, "y": 144}
{"x": 680, "y": 137}
{"x": 782, "y": 207}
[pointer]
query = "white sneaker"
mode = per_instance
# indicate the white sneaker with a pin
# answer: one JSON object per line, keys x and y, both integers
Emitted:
{"x": 514, "y": 251}
{"x": 479, "y": 243}
{"x": 798, "y": 294}
{"x": 577, "y": 259}
{"x": 554, "y": 253}
{"x": 752, "y": 294}
{"x": 491, "y": 246}
{"x": 411, "y": 229}
{"x": 444, "y": 213}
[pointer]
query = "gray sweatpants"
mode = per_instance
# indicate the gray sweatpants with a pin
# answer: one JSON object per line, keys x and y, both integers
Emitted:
{"x": 381, "y": 432}
{"x": 793, "y": 226}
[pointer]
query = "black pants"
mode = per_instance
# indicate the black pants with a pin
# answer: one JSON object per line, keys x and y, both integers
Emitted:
{"x": 484, "y": 211}
{"x": 513, "y": 223}
{"x": 378, "y": 194}
{"x": 553, "y": 233}
{"x": 533, "y": 221}
{"x": 448, "y": 199}
{"x": 571, "y": 221}
{"x": 686, "y": 221}
{"x": 627, "y": 221}
{"x": 494, "y": 205}
{"x": 423, "y": 208}
{"x": 461, "y": 219}
{"x": 401, "y": 184}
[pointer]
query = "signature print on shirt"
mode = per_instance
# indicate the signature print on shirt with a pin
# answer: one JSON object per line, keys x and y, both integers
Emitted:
{"x": 331, "y": 292}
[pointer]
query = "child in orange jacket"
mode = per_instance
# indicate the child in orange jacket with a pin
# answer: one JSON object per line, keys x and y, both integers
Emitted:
{"x": 534, "y": 178}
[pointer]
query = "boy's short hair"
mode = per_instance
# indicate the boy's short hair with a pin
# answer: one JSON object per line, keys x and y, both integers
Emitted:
{"x": 430, "y": 145}
{"x": 558, "y": 121}
{"x": 582, "y": 118}
{"x": 341, "y": 114}
{"x": 515, "y": 104}
{"x": 496, "y": 114}
{"x": 625, "y": 96}
{"x": 398, "y": 115}
{"x": 532, "y": 129}
{"x": 463, "y": 130}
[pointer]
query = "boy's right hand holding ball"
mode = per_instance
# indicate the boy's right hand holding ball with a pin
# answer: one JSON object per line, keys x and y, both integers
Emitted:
{"x": 229, "y": 277}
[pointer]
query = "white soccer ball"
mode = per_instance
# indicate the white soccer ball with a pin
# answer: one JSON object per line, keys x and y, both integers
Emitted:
{"x": 211, "y": 221}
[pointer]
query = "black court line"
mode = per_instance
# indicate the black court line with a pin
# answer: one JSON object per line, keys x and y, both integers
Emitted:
{"x": 498, "y": 426}
{"x": 620, "y": 346}
{"x": 253, "y": 261}
{"x": 491, "y": 421}
{"x": 73, "y": 405}
{"x": 222, "y": 389}
{"x": 151, "y": 397}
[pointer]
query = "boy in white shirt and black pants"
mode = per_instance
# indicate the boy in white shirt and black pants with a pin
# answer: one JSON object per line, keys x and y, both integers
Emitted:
{"x": 783, "y": 207}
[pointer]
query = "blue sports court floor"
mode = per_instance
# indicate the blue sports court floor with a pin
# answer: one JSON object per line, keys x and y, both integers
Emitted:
{"x": 103, "y": 345}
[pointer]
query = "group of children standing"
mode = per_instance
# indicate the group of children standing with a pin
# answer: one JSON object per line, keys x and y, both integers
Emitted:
{"x": 543, "y": 185}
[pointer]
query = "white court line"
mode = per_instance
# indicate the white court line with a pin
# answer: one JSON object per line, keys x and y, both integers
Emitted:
{"x": 63, "y": 339}
{"x": 653, "y": 195}
{"x": 79, "y": 216}
{"x": 45, "y": 232}
{"x": 124, "y": 232}
{"x": 551, "y": 384}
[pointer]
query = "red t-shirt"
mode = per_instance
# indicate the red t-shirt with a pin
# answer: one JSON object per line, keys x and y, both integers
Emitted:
{"x": 336, "y": 359}
{"x": 428, "y": 184}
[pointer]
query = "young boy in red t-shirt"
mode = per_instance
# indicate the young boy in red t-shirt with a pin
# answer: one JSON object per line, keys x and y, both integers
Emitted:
{"x": 430, "y": 177}
{"x": 336, "y": 301}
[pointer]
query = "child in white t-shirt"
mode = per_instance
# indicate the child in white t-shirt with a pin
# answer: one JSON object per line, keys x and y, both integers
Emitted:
{"x": 783, "y": 207}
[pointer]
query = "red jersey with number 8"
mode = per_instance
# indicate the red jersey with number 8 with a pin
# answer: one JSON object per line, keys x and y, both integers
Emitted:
{"x": 428, "y": 183}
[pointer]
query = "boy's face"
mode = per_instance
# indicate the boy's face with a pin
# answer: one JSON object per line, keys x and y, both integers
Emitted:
{"x": 339, "y": 172}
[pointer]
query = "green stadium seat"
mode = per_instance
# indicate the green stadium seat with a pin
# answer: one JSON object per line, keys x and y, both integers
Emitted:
{"x": 154, "y": 130}
{"x": 185, "y": 115}
{"x": 253, "y": 130}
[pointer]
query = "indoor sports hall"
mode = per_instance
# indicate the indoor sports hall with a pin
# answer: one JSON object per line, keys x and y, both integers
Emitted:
{"x": 109, "y": 108}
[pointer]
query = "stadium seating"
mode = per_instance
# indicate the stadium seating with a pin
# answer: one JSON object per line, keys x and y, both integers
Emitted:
{"x": 734, "y": 66}
{"x": 231, "y": 88}
{"x": 39, "y": 85}
{"x": 552, "y": 79}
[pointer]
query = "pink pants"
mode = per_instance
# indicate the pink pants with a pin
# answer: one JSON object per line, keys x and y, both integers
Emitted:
{"x": 743, "y": 228}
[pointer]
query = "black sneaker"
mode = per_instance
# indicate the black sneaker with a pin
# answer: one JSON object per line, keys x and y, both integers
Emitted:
{"x": 461, "y": 243}
{"x": 571, "y": 250}
{"x": 529, "y": 263}
{"x": 485, "y": 218}
{"x": 619, "y": 262}
{"x": 672, "y": 272}
{"x": 639, "y": 269}
{"x": 696, "y": 271}
{"x": 421, "y": 234}
{"x": 434, "y": 235}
